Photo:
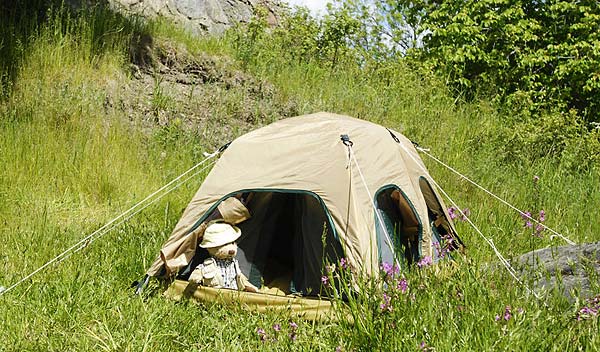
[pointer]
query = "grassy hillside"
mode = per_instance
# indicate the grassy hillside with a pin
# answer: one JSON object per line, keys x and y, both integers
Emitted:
{"x": 98, "y": 111}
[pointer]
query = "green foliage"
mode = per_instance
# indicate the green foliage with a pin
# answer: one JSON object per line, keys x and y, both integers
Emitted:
{"x": 536, "y": 56}
{"x": 71, "y": 162}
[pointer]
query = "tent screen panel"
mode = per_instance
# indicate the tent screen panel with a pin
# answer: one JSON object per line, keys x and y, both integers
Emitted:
{"x": 287, "y": 241}
{"x": 440, "y": 224}
{"x": 401, "y": 225}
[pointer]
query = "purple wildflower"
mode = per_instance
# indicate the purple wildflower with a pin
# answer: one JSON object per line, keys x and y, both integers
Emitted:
{"x": 526, "y": 215}
{"x": 542, "y": 215}
{"x": 343, "y": 263}
{"x": 591, "y": 310}
{"x": 465, "y": 213}
{"x": 403, "y": 285}
{"x": 422, "y": 345}
{"x": 452, "y": 213}
{"x": 497, "y": 317}
{"x": 325, "y": 280}
{"x": 507, "y": 313}
{"x": 293, "y": 336}
{"x": 385, "y": 305}
{"x": 293, "y": 325}
{"x": 389, "y": 269}
{"x": 261, "y": 334}
{"x": 425, "y": 261}
{"x": 276, "y": 327}
{"x": 538, "y": 230}
{"x": 528, "y": 224}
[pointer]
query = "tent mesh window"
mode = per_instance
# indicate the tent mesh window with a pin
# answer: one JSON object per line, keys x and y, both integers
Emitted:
{"x": 401, "y": 225}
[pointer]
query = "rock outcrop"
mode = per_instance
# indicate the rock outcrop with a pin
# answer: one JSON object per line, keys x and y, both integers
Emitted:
{"x": 574, "y": 270}
{"x": 200, "y": 16}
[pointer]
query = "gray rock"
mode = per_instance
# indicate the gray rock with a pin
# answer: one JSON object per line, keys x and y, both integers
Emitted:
{"x": 200, "y": 16}
{"x": 573, "y": 270}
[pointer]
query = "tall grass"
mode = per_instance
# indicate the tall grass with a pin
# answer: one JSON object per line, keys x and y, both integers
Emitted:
{"x": 70, "y": 162}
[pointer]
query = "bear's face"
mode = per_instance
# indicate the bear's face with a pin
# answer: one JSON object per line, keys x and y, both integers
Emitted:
{"x": 227, "y": 251}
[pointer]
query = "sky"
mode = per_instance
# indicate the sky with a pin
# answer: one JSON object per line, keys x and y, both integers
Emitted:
{"x": 315, "y": 6}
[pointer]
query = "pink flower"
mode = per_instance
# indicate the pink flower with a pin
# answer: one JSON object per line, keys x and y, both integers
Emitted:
{"x": 385, "y": 305}
{"x": 276, "y": 327}
{"x": 325, "y": 280}
{"x": 507, "y": 314}
{"x": 403, "y": 285}
{"x": 425, "y": 261}
{"x": 343, "y": 263}
{"x": 261, "y": 334}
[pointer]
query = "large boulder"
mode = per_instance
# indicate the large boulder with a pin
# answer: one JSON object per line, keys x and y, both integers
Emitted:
{"x": 200, "y": 16}
{"x": 574, "y": 270}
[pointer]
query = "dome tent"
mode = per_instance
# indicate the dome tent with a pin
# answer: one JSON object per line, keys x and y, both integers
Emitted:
{"x": 315, "y": 197}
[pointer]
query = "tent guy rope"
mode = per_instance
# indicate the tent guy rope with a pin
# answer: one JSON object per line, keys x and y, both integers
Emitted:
{"x": 349, "y": 145}
{"x": 123, "y": 217}
{"x": 522, "y": 213}
{"x": 489, "y": 241}
{"x": 503, "y": 260}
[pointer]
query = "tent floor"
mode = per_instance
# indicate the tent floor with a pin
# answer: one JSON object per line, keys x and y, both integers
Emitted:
{"x": 305, "y": 307}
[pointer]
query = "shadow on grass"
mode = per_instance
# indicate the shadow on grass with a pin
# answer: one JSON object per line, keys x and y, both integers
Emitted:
{"x": 91, "y": 23}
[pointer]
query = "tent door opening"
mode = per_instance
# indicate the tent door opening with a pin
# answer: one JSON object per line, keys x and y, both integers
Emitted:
{"x": 286, "y": 243}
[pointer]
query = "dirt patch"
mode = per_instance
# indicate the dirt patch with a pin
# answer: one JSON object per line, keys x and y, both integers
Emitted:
{"x": 200, "y": 94}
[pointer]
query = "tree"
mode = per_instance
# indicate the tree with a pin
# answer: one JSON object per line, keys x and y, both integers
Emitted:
{"x": 539, "y": 55}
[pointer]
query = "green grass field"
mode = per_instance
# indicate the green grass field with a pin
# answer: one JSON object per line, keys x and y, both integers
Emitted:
{"x": 70, "y": 162}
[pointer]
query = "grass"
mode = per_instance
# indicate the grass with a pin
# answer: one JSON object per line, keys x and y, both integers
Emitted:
{"x": 71, "y": 162}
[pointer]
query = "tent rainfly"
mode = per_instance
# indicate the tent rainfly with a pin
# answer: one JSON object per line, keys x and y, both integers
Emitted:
{"x": 318, "y": 188}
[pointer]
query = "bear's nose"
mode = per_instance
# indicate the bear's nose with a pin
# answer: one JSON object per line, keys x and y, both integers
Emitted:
{"x": 231, "y": 252}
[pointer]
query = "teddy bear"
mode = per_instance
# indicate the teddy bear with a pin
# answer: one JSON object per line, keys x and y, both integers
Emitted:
{"x": 221, "y": 269}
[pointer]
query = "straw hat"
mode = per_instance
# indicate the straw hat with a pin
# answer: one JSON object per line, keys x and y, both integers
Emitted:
{"x": 219, "y": 233}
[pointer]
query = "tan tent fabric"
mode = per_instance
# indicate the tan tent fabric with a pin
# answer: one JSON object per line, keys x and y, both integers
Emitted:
{"x": 306, "y": 153}
{"x": 307, "y": 308}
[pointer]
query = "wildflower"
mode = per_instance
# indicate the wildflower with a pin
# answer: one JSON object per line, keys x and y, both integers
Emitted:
{"x": 262, "y": 334}
{"x": 465, "y": 213}
{"x": 330, "y": 268}
{"x": 452, "y": 213}
{"x": 389, "y": 269}
{"x": 526, "y": 215}
{"x": 338, "y": 349}
{"x": 520, "y": 310}
{"x": 542, "y": 215}
{"x": 325, "y": 280}
{"x": 293, "y": 325}
{"x": 497, "y": 317}
{"x": 538, "y": 230}
{"x": 276, "y": 327}
{"x": 343, "y": 263}
{"x": 425, "y": 261}
{"x": 422, "y": 345}
{"x": 293, "y": 336}
{"x": 591, "y": 310}
{"x": 385, "y": 305}
{"x": 402, "y": 285}
{"x": 528, "y": 224}
{"x": 507, "y": 313}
